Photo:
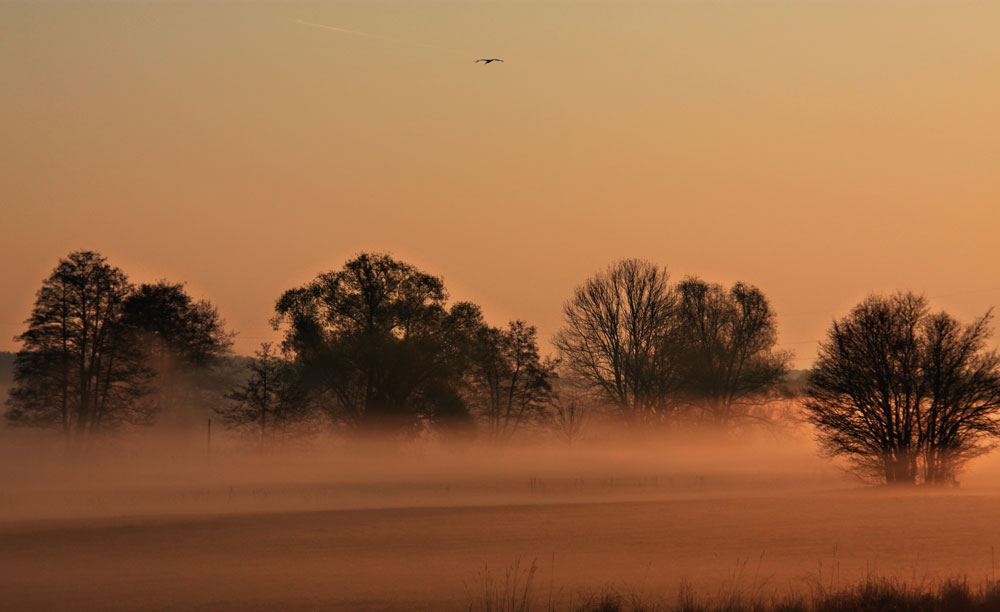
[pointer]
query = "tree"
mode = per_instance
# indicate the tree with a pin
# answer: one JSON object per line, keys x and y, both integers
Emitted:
{"x": 176, "y": 327}
{"x": 615, "y": 338}
{"x": 724, "y": 350}
{"x": 510, "y": 382}
{"x": 962, "y": 382}
{"x": 271, "y": 399}
{"x": 378, "y": 340}
{"x": 80, "y": 368}
{"x": 185, "y": 342}
{"x": 903, "y": 394}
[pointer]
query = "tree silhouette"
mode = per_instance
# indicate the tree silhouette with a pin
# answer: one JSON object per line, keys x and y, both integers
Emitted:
{"x": 176, "y": 327}
{"x": 270, "y": 401}
{"x": 81, "y": 369}
{"x": 511, "y": 384}
{"x": 963, "y": 387}
{"x": 724, "y": 350}
{"x": 378, "y": 340}
{"x": 903, "y": 394}
{"x": 185, "y": 342}
{"x": 614, "y": 338}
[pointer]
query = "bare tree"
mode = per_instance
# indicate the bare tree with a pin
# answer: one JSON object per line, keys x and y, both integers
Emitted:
{"x": 510, "y": 382}
{"x": 724, "y": 349}
{"x": 904, "y": 395}
{"x": 962, "y": 383}
{"x": 614, "y": 338}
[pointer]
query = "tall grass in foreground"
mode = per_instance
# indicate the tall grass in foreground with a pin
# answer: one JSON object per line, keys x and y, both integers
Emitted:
{"x": 512, "y": 593}
{"x": 515, "y": 592}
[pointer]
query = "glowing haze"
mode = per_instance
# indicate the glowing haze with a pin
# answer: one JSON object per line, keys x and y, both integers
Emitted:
{"x": 820, "y": 150}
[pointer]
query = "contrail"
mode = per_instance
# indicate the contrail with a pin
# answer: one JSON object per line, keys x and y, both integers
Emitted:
{"x": 323, "y": 26}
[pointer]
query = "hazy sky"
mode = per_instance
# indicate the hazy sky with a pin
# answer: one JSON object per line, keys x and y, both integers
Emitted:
{"x": 820, "y": 150}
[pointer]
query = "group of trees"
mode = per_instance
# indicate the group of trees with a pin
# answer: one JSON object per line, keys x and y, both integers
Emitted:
{"x": 99, "y": 352}
{"x": 904, "y": 394}
{"x": 375, "y": 348}
{"x": 661, "y": 353}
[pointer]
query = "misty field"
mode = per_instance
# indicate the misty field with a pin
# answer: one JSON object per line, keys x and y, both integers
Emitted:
{"x": 422, "y": 529}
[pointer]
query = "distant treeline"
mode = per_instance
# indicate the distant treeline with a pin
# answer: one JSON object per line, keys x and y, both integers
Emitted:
{"x": 377, "y": 348}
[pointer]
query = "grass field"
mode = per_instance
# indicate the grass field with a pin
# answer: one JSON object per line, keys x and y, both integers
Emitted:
{"x": 256, "y": 533}
{"x": 429, "y": 558}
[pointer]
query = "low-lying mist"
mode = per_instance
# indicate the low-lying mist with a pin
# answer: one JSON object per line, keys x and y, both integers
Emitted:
{"x": 185, "y": 472}
{"x": 326, "y": 522}
{"x": 150, "y": 473}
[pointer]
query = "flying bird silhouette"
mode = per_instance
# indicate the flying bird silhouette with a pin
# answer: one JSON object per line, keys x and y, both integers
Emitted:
{"x": 492, "y": 59}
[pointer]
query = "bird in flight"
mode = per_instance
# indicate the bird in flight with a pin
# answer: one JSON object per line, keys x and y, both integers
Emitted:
{"x": 488, "y": 60}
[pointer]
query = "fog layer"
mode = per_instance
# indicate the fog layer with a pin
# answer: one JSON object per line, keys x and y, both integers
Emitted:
{"x": 332, "y": 526}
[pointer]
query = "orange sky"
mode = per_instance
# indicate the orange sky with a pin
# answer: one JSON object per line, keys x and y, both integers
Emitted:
{"x": 819, "y": 149}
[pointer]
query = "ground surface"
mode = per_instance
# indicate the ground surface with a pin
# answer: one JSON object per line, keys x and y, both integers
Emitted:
{"x": 431, "y": 558}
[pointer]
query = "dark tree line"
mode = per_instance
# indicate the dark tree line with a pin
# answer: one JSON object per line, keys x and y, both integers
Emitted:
{"x": 373, "y": 347}
{"x": 906, "y": 395}
{"x": 376, "y": 347}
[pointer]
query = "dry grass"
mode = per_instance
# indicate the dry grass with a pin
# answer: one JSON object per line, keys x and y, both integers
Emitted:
{"x": 515, "y": 592}
{"x": 512, "y": 593}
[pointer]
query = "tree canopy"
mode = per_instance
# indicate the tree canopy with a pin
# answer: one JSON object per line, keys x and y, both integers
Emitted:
{"x": 185, "y": 342}
{"x": 616, "y": 327}
{"x": 81, "y": 368}
{"x": 99, "y": 352}
{"x": 511, "y": 385}
{"x": 270, "y": 400}
{"x": 378, "y": 339}
{"x": 175, "y": 326}
{"x": 724, "y": 346}
{"x": 904, "y": 394}
{"x": 663, "y": 353}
